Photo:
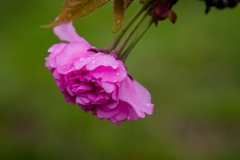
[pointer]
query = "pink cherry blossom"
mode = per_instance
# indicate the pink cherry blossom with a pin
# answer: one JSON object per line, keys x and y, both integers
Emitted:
{"x": 97, "y": 82}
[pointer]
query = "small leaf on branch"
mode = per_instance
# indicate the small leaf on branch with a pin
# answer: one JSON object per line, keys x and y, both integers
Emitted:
{"x": 172, "y": 16}
{"x": 119, "y": 9}
{"x": 74, "y": 9}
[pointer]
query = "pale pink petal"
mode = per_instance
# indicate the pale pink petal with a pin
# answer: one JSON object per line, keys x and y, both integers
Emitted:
{"x": 108, "y": 74}
{"x": 55, "y": 49}
{"x": 69, "y": 55}
{"x": 81, "y": 63}
{"x": 108, "y": 87}
{"x": 103, "y": 66}
{"x": 126, "y": 112}
{"x": 108, "y": 110}
{"x": 101, "y": 59}
{"x": 82, "y": 100}
{"x": 67, "y": 32}
{"x": 137, "y": 96}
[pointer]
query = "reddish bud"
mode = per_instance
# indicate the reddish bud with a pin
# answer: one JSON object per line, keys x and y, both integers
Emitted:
{"x": 161, "y": 10}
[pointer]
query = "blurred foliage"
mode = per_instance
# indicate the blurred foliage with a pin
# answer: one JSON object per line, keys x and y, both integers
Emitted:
{"x": 191, "y": 68}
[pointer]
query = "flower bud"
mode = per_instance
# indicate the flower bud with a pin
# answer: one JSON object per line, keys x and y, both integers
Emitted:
{"x": 162, "y": 10}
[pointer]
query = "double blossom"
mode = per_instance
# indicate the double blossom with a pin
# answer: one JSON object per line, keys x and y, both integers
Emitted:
{"x": 97, "y": 82}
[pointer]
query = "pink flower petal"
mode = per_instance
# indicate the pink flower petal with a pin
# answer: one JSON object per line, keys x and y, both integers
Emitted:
{"x": 126, "y": 112}
{"x": 69, "y": 55}
{"x": 101, "y": 59}
{"x": 108, "y": 110}
{"x": 108, "y": 87}
{"x": 107, "y": 74}
{"x": 55, "y": 49}
{"x": 137, "y": 96}
{"x": 67, "y": 32}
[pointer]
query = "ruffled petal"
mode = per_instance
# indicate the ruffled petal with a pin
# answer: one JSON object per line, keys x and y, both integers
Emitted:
{"x": 107, "y": 74}
{"x": 67, "y": 32}
{"x": 106, "y": 60}
{"x": 69, "y": 55}
{"x": 106, "y": 67}
{"x": 108, "y": 87}
{"x": 137, "y": 96}
{"x": 108, "y": 110}
{"x": 126, "y": 112}
{"x": 54, "y": 50}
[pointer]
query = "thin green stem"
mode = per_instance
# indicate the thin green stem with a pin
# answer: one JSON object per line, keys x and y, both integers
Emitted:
{"x": 125, "y": 28}
{"x": 123, "y": 43}
{"x": 135, "y": 41}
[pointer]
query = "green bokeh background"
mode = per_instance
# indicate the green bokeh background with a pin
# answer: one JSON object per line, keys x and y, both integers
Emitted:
{"x": 191, "y": 68}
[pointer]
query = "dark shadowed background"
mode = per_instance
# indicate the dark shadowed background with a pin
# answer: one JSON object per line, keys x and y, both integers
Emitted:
{"x": 192, "y": 70}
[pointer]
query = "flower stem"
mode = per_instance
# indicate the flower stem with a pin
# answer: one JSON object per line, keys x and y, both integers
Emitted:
{"x": 123, "y": 43}
{"x": 135, "y": 41}
{"x": 114, "y": 43}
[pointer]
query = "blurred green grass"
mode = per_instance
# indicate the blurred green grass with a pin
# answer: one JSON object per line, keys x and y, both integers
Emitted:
{"x": 191, "y": 69}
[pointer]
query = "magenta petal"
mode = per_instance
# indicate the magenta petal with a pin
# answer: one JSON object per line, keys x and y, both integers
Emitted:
{"x": 137, "y": 96}
{"x": 103, "y": 66}
{"x": 108, "y": 110}
{"x": 55, "y": 49}
{"x": 101, "y": 59}
{"x": 108, "y": 87}
{"x": 81, "y": 63}
{"x": 67, "y": 32}
{"x": 69, "y": 55}
{"x": 126, "y": 112}
{"x": 108, "y": 74}
{"x": 82, "y": 100}
{"x": 87, "y": 108}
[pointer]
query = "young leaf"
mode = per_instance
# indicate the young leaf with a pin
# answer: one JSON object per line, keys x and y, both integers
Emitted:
{"x": 119, "y": 9}
{"x": 172, "y": 16}
{"x": 74, "y": 9}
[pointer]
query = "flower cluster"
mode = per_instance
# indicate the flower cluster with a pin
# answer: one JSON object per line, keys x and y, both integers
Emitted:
{"x": 96, "y": 81}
